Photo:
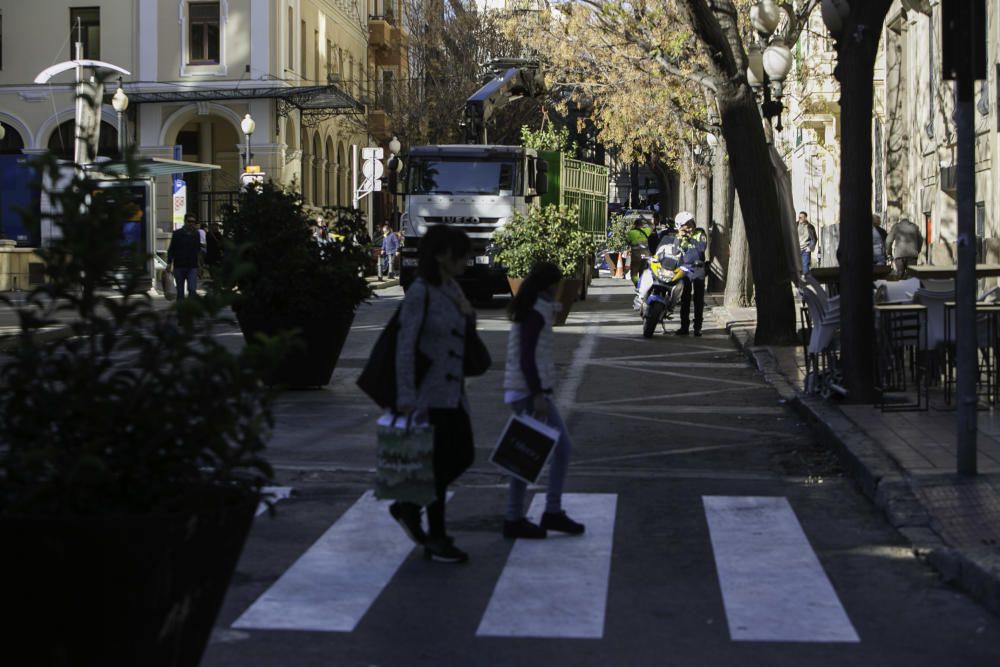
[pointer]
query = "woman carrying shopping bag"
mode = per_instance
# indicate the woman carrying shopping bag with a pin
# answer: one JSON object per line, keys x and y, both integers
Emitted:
{"x": 435, "y": 311}
{"x": 529, "y": 379}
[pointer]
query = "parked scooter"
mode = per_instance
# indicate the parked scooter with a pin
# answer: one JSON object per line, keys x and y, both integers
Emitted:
{"x": 659, "y": 290}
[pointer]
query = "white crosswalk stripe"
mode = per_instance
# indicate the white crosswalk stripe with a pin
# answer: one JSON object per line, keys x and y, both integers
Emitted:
{"x": 334, "y": 583}
{"x": 773, "y": 585}
{"x": 557, "y": 587}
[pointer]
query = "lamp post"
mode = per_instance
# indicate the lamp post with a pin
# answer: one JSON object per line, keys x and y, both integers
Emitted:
{"x": 120, "y": 103}
{"x": 770, "y": 59}
{"x": 394, "y": 165}
{"x": 248, "y": 126}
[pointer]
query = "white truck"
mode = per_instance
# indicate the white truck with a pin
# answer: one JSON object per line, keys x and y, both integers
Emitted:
{"x": 473, "y": 188}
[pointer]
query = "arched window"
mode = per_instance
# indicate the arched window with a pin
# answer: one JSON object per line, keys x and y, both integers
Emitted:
{"x": 62, "y": 141}
{"x": 12, "y": 141}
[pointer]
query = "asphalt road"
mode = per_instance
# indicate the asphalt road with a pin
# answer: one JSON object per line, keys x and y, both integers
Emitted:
{"x": 719, "y": 531}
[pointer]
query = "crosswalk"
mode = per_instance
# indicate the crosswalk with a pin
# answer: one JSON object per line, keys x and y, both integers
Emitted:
{"x": 772, "y": 585}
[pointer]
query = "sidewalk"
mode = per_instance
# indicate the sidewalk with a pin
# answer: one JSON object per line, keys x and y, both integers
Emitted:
{"x": 905, "y": 463}
{"x": 9, "y": 321}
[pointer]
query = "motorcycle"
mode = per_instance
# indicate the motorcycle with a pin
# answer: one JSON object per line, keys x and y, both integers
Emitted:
{"x": 658, "y": 291}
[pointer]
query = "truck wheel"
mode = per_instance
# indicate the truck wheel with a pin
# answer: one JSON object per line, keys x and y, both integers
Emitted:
{"x": 653, "y": 316}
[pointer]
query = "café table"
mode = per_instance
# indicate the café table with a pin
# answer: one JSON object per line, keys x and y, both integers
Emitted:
{"x": 830, "y": 275}
{"x": 949, "y": 271}
{"x": 900, "y": 339}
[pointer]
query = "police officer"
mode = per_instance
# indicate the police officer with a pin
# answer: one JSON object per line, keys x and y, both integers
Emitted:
{"x": 691, "y": 243}
{"x": 638, "y": 239}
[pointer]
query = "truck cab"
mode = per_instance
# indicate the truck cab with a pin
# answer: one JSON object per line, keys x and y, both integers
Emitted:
{"x": 475, "y": 188}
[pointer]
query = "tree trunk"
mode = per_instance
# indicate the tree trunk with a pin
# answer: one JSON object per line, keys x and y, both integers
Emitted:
{"x": 754, "y": 179}
{"x": 855, "y": 71}
{"x": 720, "y": 229}
{"x": 739, "y": 282}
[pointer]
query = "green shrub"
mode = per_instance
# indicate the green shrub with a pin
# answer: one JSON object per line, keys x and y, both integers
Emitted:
{"x": 550, "y": 233}
{"x": 618, "y": 238}
{"x": 295, "y": 278}
{"x": 139, "y": 404}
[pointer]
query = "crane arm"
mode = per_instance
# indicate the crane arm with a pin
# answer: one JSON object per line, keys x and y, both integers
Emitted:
{"x": 512, "y": 80}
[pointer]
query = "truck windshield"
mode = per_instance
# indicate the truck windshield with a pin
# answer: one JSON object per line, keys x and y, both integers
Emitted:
{"x": 481, "y": 177}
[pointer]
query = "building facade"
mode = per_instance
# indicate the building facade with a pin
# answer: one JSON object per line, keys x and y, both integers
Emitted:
{"x": 913, "y": 136}
{"x": 300, "y": 68}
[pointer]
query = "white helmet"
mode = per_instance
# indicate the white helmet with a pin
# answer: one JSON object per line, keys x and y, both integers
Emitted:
{"x": 683, "y": 217}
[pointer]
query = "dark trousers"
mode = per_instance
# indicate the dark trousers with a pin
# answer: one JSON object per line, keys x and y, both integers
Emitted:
{"x": 454, "y": 452}
{"x": 699, "y": 303}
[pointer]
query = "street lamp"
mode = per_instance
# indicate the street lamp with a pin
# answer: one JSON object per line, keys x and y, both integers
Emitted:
{"x": 394, "y": 165}
{"x": 248, "y": 126}
{"x": 120, "y": 103}
{"x": 770, "y": 60}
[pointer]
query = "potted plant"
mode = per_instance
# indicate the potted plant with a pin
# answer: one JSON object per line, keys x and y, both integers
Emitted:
{"x": 617, "y": 240}
{"x": 130, "y": 455}
{"x": 550, "y": 233}
{"x": 300, "y": 282}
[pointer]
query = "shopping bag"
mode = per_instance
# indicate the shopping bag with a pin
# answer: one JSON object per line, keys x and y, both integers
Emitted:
{"x": 404, "y": 460}
{"x": 167, "y": 284}
{"x": 524, "y": 447}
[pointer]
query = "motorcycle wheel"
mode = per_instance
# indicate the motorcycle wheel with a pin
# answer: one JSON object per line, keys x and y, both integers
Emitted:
{"x": 653, "y": 317}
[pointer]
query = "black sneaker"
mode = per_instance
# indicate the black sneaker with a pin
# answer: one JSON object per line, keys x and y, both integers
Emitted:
{"x": 697, "y": 333}
{"x": 558, "y": 521}
{"x": 681, "y": 332}
{"x": 444, "y": 551}
{"x": 523, "y": 529}
{"x": 407, "y": 515}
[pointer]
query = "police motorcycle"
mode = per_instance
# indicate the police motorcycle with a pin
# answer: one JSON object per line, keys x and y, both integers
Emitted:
{"x": 660, "y": 288}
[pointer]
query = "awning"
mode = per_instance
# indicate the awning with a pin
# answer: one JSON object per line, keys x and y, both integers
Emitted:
{"x": 152, "y": 167}
{"x": 310, "y": 100}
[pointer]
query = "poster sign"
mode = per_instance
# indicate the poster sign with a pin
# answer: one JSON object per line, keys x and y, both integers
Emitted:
{"x": 179, "y": 202}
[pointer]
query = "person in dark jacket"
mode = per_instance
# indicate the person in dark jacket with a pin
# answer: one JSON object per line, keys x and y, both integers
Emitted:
{"x": 435, "y": 316}
{"x": 183, "y": 255}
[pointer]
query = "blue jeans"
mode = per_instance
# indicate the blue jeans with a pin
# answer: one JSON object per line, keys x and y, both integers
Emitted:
{"x": 188, "y": 277}
{"x": 805, "y": 261}
{"x": 557, "y": 466}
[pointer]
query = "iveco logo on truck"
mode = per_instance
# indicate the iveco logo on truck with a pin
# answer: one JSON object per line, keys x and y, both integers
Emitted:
{"x": 459, "y": 219}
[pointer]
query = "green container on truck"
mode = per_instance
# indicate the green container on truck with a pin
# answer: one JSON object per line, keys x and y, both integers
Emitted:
{"x": 581, "y": 184}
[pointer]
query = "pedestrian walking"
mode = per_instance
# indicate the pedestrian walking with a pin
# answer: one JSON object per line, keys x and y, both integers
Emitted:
{"x": 903, "y": 244}
{"x": 183, "y": 256}
{"x": 878, "y": 242}
{"x": 691, "y": 243}
{"x": 388, "y": 253}
{"x": 213, "y": 248}
{"x": 435, "y": 312}
{"x": 529, "y": 379}
{"x": 807, "y": 240}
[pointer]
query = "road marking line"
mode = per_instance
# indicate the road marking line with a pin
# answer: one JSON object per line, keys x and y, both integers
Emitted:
{"x": 566, "y": 393}
{"x": 275, "y": 493}
{"x": 332, "y": 585}
{"x": 773, "y": 585}
{"x": 557, "y": 587}
{"x": 680, "y": 422}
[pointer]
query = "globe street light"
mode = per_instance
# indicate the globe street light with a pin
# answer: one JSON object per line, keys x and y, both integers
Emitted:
{"x": 119, "y": 103}
{"x": 394, "y": 166}
{"x": 771, "y": 60}
{"x": 248, "y": 126}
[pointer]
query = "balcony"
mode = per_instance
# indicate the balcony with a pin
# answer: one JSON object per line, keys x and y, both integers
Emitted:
{"x": 380, "y": 32}
{"x": 379, "y": 124}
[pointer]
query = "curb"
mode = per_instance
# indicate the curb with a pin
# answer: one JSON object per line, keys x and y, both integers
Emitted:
{"x": 878, "y": 476}
{"x": 385, "y": 284}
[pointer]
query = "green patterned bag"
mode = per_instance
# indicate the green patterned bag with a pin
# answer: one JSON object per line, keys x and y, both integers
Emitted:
{"x": 404, "y": 463}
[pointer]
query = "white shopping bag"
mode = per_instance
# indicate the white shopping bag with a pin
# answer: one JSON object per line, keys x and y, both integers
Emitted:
{"x": 524, "y": 447}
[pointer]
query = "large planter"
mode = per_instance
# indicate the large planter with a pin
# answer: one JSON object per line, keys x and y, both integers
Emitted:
{"x": 118, "y": 590}
{"x": 567, "y": 293}
{"x": 311, "y": 362}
